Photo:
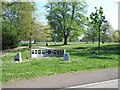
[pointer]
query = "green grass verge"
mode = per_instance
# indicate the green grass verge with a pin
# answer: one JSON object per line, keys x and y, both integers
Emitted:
{"x": 82, "y": 57}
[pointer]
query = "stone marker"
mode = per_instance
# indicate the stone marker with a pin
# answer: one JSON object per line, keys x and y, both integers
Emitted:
{"x": 66, "y": 56}
{"x": 18, "y": 57}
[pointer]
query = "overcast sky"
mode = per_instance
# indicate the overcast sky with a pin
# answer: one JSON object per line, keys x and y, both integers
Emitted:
{"x": 110, "y": 8}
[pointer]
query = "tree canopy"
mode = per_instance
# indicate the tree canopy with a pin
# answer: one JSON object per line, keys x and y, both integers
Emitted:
{"x": 66, "y": 18}
{"x": 97, "y": 20}
{"x": 17, "y": 19}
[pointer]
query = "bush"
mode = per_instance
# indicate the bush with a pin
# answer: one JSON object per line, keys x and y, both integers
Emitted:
{"x": 23, "y": 44}
{"x": 9, "y": 42}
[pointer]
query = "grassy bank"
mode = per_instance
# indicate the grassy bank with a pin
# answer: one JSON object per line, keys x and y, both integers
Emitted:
{"x": 82, "y": 57}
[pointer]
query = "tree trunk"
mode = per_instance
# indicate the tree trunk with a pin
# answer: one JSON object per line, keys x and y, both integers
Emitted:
{"x": 93, "y": 40}
{"x": 65, "y": 38}
{"x": 99, "y": 40}
{"x": 103, "y": 40}
{"x": 35, "y": 41}
{"x": 30, "y": 44}
{"x": 86, "y": 40}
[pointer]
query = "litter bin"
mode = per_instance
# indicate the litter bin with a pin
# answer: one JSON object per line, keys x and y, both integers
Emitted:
{"x": 66, "y": 56}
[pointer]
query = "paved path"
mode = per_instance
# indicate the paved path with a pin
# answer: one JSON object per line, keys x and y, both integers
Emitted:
{"x": 17, "y": 48}
{"x": 23, "y": 47}
{"x": 66, "y": 80}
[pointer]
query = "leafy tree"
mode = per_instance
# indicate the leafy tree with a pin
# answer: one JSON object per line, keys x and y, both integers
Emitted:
{"x": 105, "y": 34}
{"x": 116, "y": 36}
{"x": 42, "y": 32}
{"x": 97, "y": 19}
{"x": 8, "y": 29}
{"x": 24, "y": 20}
{"x": 17, "y": 22}
{"x": 90, "y": 31}
{"x": 66, "y": 18}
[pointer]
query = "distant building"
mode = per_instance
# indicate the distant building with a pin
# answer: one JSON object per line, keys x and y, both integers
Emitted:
{"x": 25, "y": 41}
{"x": 81, "y": 37}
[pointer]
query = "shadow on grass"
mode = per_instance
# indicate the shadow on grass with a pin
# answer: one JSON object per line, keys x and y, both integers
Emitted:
{"x": 95, "y": 55}
{"x": 80, "y": 54}
{"x": 57, "y": 45}
{"x": 81, "y": 48}
{"x": 108, "y": 47}
{"x": 105, "y": 51}
{"x": 100, "y": 57}
{"x": 60, "y": 45}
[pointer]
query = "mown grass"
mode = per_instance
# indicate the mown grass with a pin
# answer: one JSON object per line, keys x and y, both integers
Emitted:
{"x": 82, "y": 57}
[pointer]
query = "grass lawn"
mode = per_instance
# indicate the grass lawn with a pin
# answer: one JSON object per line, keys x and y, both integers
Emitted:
{"x": 82, "y": 57}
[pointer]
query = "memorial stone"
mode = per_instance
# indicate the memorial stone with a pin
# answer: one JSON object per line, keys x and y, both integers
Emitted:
{"x": 66, "y": 56}
{"x": 18, "y": 57}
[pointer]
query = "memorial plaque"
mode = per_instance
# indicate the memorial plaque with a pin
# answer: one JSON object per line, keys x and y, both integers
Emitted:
{"x": 49, "y": 52}
{"x": 39, "y": 51}
{"x": 32, "y": 51}
{"x": 54, "y": 51}
{"x": 43, "y": 51}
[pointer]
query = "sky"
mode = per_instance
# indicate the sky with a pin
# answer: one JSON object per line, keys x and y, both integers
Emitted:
{"x": 119, "y": 16}
{"x": 110, "y": 8}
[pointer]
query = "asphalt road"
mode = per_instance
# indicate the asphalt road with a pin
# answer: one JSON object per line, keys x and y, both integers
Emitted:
{"x": 66, "y": 80}
{"x": 105, "y": 84}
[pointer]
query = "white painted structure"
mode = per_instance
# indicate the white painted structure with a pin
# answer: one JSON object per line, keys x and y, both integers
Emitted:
{"x": 36, "y": 53}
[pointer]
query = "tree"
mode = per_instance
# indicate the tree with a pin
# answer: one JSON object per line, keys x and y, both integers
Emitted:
{"x": 42, "y": 32}
{"x": 9, "y": 35}
{"x": 90, "y": 31}
{"x": 17, "y": 22}
{"x": 116, "y": 36}
{"x": 106, "y": 32}
{"x": 25, "y": 20}
{"x": 97, "y": 19}
{"x": 66, "y": 21}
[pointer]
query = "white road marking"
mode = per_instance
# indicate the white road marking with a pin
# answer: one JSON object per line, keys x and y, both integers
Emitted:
{"x": 93, "y": 84}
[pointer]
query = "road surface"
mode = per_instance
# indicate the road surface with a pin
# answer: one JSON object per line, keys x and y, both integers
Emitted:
{"x": 66, "y": 80}
{"x": 105, "y": 84}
